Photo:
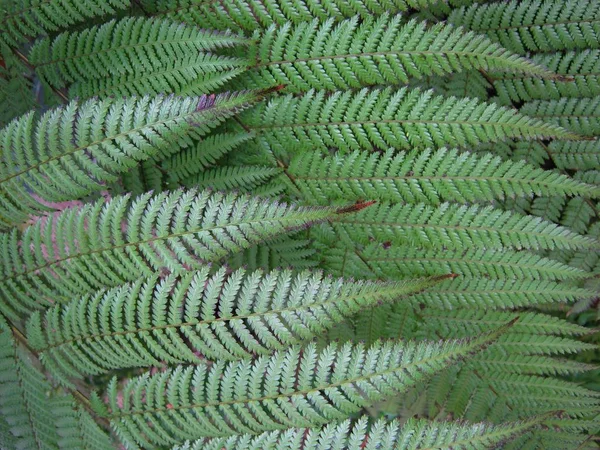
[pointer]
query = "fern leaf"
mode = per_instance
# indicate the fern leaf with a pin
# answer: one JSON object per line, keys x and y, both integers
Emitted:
{"x": 255, "y": 14}
{"x": 528, "y": 365}
{"x": 424, "y": 176}
{"x": 24, "y": 403}
{"x": 190, "y": 161}
{"x": 241, "y": 178}
{"x": 484, "y": 293}
{"x": 580, "y": 115}
{"x": 414, "y": 434}
{"x": 292, "y": 388}
{"x": 30, "y": 18}
{"x": 394, "y": 262}
{"x": 361, "y": 52}
{"x": 535, "y": 25}
{"x": 456, "y": 227}
{"x": 107, "y": 243}
{"x": 224, "y": 316}
{"x": 198, "y": 74}
{"x": 581, "y": 70}
{"x": 403, "y": 119}
{"x": 76, "y": 149}
{"x": 76, "y": 428}
{"x": 120, "y": 47}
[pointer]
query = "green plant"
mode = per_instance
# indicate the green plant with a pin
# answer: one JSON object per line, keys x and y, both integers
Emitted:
{"x": 355, "y": 224}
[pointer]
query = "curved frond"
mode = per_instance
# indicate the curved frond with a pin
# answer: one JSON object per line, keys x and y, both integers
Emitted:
{"x": 107, "y": 243}
{"x": 372, "y": 51}
{"x": 402, "y": 119}
{"x": 186, "y": 318}
{"x": 535, "y": 25}
{"x": 255, "y": 14}
{"x": 30, "y": 18}
{"x": 75, "y": 150}
{"x": 424, "y": 176}
{"x": 298, "y": 387}
{"x": 120, "y": 47}
{"x": 456, "y": 227}
{"x": 414, "y": 434}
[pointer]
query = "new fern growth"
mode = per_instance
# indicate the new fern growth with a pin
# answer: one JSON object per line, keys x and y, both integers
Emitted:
{"x": 299, "y": 224}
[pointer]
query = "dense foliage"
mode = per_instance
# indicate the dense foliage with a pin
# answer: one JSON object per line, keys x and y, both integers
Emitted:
{"x": 299, "y": 224}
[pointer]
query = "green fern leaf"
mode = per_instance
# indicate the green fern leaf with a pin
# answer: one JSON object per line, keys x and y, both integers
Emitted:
{"x": 584, "y": 155}
{"x": 413, "y": 434}
{"x": 580, "y": 115}
{"x": 201, "y": 73}
{"x": 535, "y": 25}
{"x": 396, "y": 262}
{"x": 30, "y": 18}
{"x": 292, "y": 388}
{"x": 107, "y": 243}
{"x": 403, "y": 119}
{"x": 240, "y": 178}
{"x": 368, "y": 51}
{"x": 424, "y": 176}
{"x": 255, "y": 14}
{"x": 581, "y": 72}
{"x": 455, "y": 227}
{"x": 24, "y": 403}
{"x": 76, "y": 428}
{"x": 75, "y": 150}
{"x": 119, "y": 47}
{"x": 183, "y": 319}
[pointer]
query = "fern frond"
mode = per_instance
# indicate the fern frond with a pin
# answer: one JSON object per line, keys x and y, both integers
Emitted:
{"x": 30, "y": 18}
{"x": 190, "y": 161}
{"x": 241, "y": 178}
{"x": 528, "y": 365}
{"x": 414, "y": 434}
{"x": 256, "y": 14}
{"x": 183, "y": 319}
{"x": 201, "y": 73}
{"x": 16, "y": 87}
{"x": 290, "y": 250}
{"x": 424, "y": 176}
{"x": 372, "y": 51}
{"x": 76, "y": 428}
{"x": 484, "y": 293}
{"x": 120, "y": 47}
{"x": 582, "y": 78}
{"x": 24, "y": 403}
{"x": 583, "y": 155}
{"x": 395, "y": 262}
{"x": 403, "y": 119}
{"x": 107, "y": 243}
{"x": 580, "y": 115}
{"x": 76, "y": 149}
{"x": 456, "y": 227}
{"x": 535, "y": 25}
{"x": 293, "y": 388}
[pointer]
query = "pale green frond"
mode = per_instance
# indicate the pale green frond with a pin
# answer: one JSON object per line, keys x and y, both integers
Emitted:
{"x": 298, "y": 387}
{"x": 255, "y": 14}
{"x": 424, "y": 176}
{"x": 75, "y": 150}
{"x": 372, "y": 51}
{"x": 535, "y": 25}
{"x": 200, "y": 73}
{"x": 455, "y": 227}
{"x": 581, "y": 78}
{"x": 394, "y": 262}
{"x": 198, "y": 315}
{"x": 402, "y": 119}
{"x": 121, "y": 47}
{"x": 30, "y": 18}
{"x": 413, "y": 434}
{"x": 107, "y": 243}
{"x": 206, "y": 153}
{"x": 580, "y": 115}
